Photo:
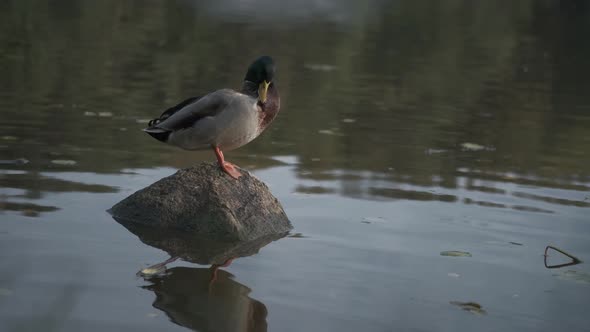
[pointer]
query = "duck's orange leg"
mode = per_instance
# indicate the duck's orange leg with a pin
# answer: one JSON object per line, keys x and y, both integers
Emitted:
{"x": 226, "y": 166}
{"x": 216, "y": 267}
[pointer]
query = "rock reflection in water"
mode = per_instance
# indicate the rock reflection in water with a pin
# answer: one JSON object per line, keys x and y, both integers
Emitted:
{"x": 203, "y": 299}
{"x": 196, "y": 249}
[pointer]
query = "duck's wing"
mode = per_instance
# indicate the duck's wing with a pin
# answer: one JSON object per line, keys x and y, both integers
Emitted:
{"x": 190, "y": 111}
{"x": 167, "y": 113}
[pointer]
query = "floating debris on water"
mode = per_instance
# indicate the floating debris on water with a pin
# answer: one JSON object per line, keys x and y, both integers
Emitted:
{"x": 515, "y": 243}
{"x": 9, "y": 138}
{"x": 370, "y": 220}
{"x": 573, "y": 259}
{"x": 472, "y": 307}
{"x": 151, "y": 271}
{"x": 142, "y": 121}
{"x": 297, "y": 236}
{"x": 105, "y": 114}
{"x": 453, "y": 275}
{"x": 455, "y": 253}
{"x": 64, "y": 162}
{"x": 89, "y": 113}
{"x": 348, "y": 120}
{"x": 152, "y": 315}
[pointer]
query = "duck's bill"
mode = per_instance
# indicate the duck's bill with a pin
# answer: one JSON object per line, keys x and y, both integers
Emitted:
{"x": 262, "y": 89}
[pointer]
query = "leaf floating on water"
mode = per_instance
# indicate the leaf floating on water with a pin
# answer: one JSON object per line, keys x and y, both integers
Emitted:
{"x": 64, "y": 162}
{"x": 472, "y": 307}
{"x": 455, "y": 253}
{"x": 573, "y": 275}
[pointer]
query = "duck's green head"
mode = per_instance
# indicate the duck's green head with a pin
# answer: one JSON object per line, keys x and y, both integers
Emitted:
{"x": 261, "y": 72}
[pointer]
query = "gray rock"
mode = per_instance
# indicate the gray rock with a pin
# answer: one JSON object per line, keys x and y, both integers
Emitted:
{"x": 206, "y": 202}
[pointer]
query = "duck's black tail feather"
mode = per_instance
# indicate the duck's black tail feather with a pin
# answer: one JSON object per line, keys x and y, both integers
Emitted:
{"x": 162, "y": 134}
{"x": 158, "y": 133}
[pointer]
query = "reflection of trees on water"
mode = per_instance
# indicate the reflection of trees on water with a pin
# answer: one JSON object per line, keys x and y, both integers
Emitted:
{"x": 415, "y": 78}
{"x": 470, "y": 187}
{"x": 34, "y": 185}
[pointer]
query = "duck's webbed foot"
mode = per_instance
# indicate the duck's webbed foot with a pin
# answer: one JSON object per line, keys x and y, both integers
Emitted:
{"x": 231, "y": 169}
{"x": 226, "y": 166}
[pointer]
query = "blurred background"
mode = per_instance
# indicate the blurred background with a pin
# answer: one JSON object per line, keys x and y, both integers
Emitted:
{"x": 407, "y": 129}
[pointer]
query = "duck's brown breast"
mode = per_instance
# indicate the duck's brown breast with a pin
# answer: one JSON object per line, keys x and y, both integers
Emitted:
{"x": 270, "y": 109}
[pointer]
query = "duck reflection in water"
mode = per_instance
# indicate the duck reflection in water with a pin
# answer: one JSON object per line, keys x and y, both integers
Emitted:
{"x": 190, "y": 299}
{"x": 202, "y": 299}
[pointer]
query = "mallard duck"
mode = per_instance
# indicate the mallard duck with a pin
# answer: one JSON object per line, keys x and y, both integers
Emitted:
{"x": 225, "y": 119}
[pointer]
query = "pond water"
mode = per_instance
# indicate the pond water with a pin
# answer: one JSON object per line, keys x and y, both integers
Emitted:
{"x": 408, "y": 130}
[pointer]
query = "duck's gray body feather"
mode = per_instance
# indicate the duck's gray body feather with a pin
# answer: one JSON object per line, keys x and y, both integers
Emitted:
{"x": 224, "y": 118}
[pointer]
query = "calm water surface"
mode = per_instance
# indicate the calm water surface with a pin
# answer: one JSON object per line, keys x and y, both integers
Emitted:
{"x": 407, "y": 129}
